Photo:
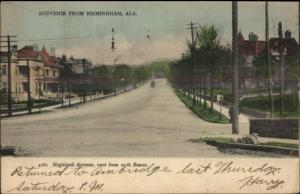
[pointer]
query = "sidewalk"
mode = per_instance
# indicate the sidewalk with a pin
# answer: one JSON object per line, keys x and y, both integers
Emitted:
{"x": 243, "y": 118}
{"x": 67, "y": 103}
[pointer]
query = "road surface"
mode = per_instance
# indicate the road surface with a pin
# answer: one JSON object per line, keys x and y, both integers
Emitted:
{"x": 145, "y": 122}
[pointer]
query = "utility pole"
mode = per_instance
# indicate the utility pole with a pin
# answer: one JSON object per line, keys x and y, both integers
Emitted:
{"x": 62, "y": 95}
{"x": 281, "y": 68}
{"x": 9, "y": 100}
{"x": 9, "y": 44}
{"x": 69, "y": 92}
{"x": 299, "y": 59}
{"x": 235, "y": 83}
{"x": 29, "y": 103}
{"x": 271, "y": 104}
{"x": 84, "y": 80}
{"x": 192, "y": 27}
{"x": 40, "y": 97}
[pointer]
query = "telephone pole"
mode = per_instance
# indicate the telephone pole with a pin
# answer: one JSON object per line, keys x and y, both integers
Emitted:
{"x": 192, "y": 27}
{"x": 299, "y": 58}
{"x": 9, "y": 44}
{"x": 281, "y": 68}
{"x": 235, "y": 83}
{"x": 84, "y": 79}
{"x": 29, "y": 103}
{"x": 271, "y": 104}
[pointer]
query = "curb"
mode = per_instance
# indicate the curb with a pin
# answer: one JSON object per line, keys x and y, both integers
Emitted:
{"x": 191, "y": 108}
{"x": 265, "y": 148}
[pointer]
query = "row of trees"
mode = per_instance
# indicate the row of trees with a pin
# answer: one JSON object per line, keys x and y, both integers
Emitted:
{"x": 206, "y": 65}
{"x": 107, "y": 78}
{"x": 212, "y": 65}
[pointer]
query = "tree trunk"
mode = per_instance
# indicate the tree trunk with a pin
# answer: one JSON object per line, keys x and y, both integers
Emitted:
{"x": 211, "y": 92}
{"x": 200, "y": 90}
{"x": 295, "y": 95}
{"x": 205, "y": 90}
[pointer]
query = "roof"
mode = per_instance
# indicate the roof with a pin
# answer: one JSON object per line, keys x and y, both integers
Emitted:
{"x": 76, "y": 65}
{"x": 49, "y": 61}
{"x": 248, "y": 47}
{"x": 28, "y": 52}
{"x": 290, "y": 44}
{"x": 33, "y": 53}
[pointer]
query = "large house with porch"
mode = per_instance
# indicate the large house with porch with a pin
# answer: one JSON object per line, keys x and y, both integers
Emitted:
{"x": 31, "y": 69}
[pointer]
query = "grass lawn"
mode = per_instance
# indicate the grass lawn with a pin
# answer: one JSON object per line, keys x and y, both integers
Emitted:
{"x": 261, "y": 103}
{"x": 280, "y": 144}
{"x": 231, "y": 140}
{"x": 219, "y": 139}
{"x": 204, "y": 113}
{"x": 23, "y": 105}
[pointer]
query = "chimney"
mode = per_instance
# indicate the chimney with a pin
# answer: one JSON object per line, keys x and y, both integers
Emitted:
{"x": 253, "y": 37}
{"x": 52, "y": 51}
{"x": 35, "y": 47}
{"x": 288, "y": 34}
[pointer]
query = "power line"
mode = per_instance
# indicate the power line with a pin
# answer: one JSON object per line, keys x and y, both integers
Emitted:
{"x": 61, "y": 38}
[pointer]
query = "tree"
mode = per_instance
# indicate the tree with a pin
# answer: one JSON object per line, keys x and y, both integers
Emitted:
{"x": 122, "y": 75}
{"x": 212, "y": 56}
{"x": 261, "y": 70}
{"x": 102, "y": 78}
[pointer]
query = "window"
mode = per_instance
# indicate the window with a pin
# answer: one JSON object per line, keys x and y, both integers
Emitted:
{"x": 47, "y": 72}
{"x": 3, "y": 70}
{"x": 25, "y": 86}
{"x": 4, "y": 86}
{"x": 54, "y": 73}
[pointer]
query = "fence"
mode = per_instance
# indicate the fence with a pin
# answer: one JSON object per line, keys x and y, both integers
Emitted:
{"x": 21, "y": 104}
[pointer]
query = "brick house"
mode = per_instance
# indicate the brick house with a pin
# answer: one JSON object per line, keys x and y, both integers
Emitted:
{"x": 76, "y": 74}
{"x": 51, "y": 73}
{"x": 248, "y": 50}
{"x": 251, "y": 48}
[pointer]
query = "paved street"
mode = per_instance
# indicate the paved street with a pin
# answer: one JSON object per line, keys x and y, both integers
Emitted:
{"x": 145, "y": 122}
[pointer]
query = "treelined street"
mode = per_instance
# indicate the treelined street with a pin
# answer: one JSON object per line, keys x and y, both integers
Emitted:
{"x": 145, "y": 122}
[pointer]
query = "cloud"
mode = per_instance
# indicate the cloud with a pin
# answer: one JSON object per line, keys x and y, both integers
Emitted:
{"x": 128, "y": 51}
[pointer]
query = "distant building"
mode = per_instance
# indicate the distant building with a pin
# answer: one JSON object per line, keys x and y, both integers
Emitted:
{"x": 76, "y": 74}
{"x": 290, "y": 46}
{"x": 251, "y": 48}
{"x": 51, "y": 73}
{"x": 248, "y": 50}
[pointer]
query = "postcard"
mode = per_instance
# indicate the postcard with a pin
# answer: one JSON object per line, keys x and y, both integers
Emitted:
{"x": 149, "y": 97}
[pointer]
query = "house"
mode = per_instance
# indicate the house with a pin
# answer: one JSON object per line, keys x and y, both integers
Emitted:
{"x": 290, "y": 46}
{"x": 31, "y": 69}
{"x": 51, "y": 73}
{"x": 248, "y": 50}
{"x": 251, "y": 48}
{"x": 30, "y": 56}
{"x": 4, "y": 73}
{"x": 76, "y": 74}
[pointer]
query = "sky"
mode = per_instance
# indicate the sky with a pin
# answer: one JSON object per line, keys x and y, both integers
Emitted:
{"x": 165, "y": 22}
